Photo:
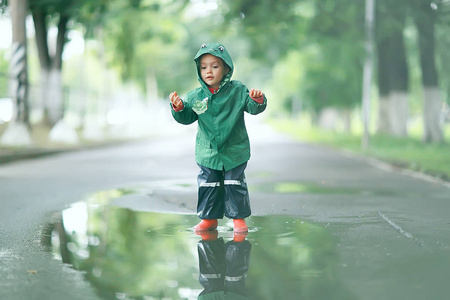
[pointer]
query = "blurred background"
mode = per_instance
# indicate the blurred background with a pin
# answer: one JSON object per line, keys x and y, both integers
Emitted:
{"x": 335, "y": 72}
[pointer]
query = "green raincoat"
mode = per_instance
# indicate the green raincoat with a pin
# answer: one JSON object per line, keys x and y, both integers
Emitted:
{"x": 222, "y": 141}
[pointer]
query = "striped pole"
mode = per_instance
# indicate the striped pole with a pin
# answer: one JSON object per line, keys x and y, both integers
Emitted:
{"x": 18, "y": 71}
{"x": 17, "y": 133}
{"x": 18, "y": 64}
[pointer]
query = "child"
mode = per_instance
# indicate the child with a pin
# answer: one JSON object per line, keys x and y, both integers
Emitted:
{"x": 222, "y": 144}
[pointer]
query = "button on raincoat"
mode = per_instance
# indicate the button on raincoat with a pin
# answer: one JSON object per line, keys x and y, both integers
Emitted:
{"x": 222, "y": 141}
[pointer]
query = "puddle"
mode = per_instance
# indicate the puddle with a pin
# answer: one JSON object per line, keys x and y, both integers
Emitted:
{"x": 321, "y": 189}
{"x": 131, "y": 254}
{"x": 298, "y": 187}
{"x": 188, "y": 187}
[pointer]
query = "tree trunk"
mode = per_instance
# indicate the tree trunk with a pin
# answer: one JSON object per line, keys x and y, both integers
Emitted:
{"x": 347, "y": 120}
{"x": 398, "y": 113}
{"x": 40, "y": 28}
{"x": 54, "y": 110}
{"x": 328, "y": 118}
{"x": 151, "y": 86}
{"x": 432, "y": 105}
{"x": 367, "y": 74}
{"x": 398, "y": 83}
{"x": 383, "y": 125}
{"x": 51, "y": 66}
{"x": 60, "y": 41}
{"x": 393, "y": 68}
{"x": 51, "y": 74}
{"x": 17, "y": 132}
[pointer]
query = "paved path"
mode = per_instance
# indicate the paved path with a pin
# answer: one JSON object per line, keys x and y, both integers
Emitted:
{"x": 391, "y": 231}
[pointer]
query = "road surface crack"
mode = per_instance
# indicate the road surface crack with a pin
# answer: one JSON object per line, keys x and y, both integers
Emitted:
{"x": 403, "y": 232}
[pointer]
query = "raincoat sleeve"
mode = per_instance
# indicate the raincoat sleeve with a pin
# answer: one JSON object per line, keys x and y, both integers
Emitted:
{"x": 185, "y": 116}
{"x": 252, "y": 106}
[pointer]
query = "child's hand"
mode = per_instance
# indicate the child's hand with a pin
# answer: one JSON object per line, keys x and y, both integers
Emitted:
{"x": 255, "y": 93}
{"x": 256, "y": 96}
{"x": 176, "y": 101}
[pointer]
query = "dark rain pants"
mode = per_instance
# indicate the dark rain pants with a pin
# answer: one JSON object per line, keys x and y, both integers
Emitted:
{"x": 223, "y": 269}
{"x": 223, "y": 193}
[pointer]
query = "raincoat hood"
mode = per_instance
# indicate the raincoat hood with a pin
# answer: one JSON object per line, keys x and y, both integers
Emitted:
{"x": 217, "y": 50}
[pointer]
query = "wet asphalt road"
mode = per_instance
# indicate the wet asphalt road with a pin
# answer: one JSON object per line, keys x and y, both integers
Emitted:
{"x": 391, "y": 231}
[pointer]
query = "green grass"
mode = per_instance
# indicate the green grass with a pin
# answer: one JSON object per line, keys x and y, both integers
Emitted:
{"x": 411, "y": 153}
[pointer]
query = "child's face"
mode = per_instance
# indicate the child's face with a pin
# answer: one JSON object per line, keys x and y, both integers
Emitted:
{"x": 212, "y": 70}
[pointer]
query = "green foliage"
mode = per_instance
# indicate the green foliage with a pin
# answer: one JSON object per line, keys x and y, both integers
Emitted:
{"x": 92, "y": 15}
{"x": 286, "y": 78}
{"x": 3, "y": 5}
{"x": 144, "y": 39}
{"x": 326, "y": 37}
{"x": 333, "y": 76}
{"x": 273, "y": 27}
{"x": 334, "y": 71}
{"x": 4, "y": 66}
{"x": 56, "y": 8}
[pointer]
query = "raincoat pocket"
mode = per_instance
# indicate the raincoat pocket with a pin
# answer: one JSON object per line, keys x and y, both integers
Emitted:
{"x": 202, "y": 141}
{"x": 237, "y": 138}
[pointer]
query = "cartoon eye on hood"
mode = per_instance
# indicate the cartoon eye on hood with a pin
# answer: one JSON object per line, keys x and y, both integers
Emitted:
{"x": 215, "y": 49}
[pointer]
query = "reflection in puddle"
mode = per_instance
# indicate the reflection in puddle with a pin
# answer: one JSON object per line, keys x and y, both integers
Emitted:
{"x": 128, "y": 254}
{"x": 223, "y": 267}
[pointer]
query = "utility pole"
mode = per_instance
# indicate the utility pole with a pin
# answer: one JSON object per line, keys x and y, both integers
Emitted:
{"x": 368, "y": 71}
{"x": 17, "y": 132}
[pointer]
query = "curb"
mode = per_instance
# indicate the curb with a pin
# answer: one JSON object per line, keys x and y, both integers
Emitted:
{"x": 29, "y": 154}
{"x": 14, "y": 155}
{"x": 392, "y": 168}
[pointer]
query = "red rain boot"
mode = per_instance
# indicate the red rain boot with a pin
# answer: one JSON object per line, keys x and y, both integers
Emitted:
{"x": 239, "y": 225}
{"x": 210, "y": 235}
{"x": 239, "y": 237}
{"x": 206, "y": 224}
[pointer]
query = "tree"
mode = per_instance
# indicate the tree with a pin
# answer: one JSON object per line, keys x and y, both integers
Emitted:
{"x": 392, "y": 67}
{"x": 383, "y": 125}
{"x": 45, "y": 12}
{"x": 442, "y": 45}
{"x": 425, "y": 16}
